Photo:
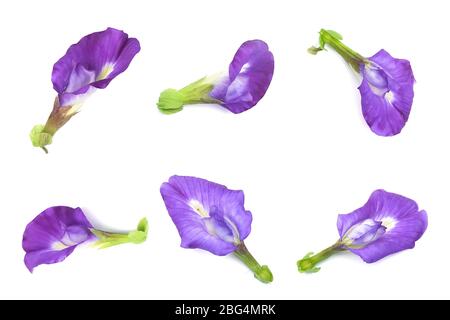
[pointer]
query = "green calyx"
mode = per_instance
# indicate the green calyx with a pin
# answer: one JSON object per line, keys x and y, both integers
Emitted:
{"x": 333, "y": 39}
{"x": 172, "y": 100}
{"x": 262, "y": 273}
{"x": 107, "y": 239}
{"x": 40, "y": 138}
{"x": 308, "y": 264}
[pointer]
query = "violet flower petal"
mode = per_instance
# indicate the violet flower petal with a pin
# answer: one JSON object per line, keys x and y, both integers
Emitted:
{"x": 404, "y": 224}
{"x": 92, "y": 63}
{"x": 249, "y": 77}
{"x": 386, "y": 93}
{"x": 54, "y": 234}
{"x": 36, "y": 258}
{"x": 207, "y": 215}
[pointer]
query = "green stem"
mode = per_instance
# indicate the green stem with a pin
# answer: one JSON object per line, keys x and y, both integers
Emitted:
{"x": 333, "y": 39}
{"x": 108, "y": 239}
{"x": 172, "y": 100}
{"x": 262, "y": 273}
{"x": 309, "y": 261}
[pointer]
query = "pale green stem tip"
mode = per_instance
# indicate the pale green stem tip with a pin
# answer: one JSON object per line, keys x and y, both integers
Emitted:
{"x": 39, "y": 138}
{"x": 170, "y": 101}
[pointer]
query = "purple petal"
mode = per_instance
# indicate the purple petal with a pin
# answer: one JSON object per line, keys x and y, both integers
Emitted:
{"x": 399, "y": 71}
{"x": 131, "y": 48}
{"x": 93, "y": 62}
{"x": 403, "y": 236}
{"x": 79, "y": 77}
{"x": 250, "y": 74}
{"x": 377, "y": 78}
{"x": 36, "y": 258}
{"x": 387, "y": 93}
{"x": 207, "y": 215}
{"x": 404, "y": 224}
{"x": 54, "y": 234}
{"x": 346, "y": 221}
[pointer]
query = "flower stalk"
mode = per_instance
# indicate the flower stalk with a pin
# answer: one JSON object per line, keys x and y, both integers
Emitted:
{"x": 310, "y": 260}
{"x": 262, "y": 273}
{"x": 107, "y": 239}
{"x": 172, "y": 100}
{"x": 333, "y": 39}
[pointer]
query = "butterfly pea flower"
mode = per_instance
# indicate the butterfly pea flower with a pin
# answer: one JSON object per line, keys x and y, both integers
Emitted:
{"x": 386, "y": 224}
{"x": 386, "y": 88}
{"x": 246, "y": 82}
{"x": 88, "y": 65}
{"x": 211, "y": 217}
{"x": 55, "y": 233}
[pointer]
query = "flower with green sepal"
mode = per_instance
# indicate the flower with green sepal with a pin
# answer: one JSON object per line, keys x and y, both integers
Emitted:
{"x": 386, "y": 224}
{"x": 238, "y": 90}
{"x": 57, "y": 231}
{"x": 386, "y": 87}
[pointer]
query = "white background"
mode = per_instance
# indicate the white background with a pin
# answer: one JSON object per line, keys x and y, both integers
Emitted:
{"x": 303, "y": 155}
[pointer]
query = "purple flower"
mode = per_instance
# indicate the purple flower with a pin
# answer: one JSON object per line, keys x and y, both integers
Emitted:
{"x": 386, "y": 88}
{"x": 386, "y": 93}
{"x": 246, "y": 82}
{"x": 248, "y": 79}
{"x": 211, "y": 217}
{"x": 386, "y": 224}
{"x": 55, "y": 233}
{"x": 90, "y": 64}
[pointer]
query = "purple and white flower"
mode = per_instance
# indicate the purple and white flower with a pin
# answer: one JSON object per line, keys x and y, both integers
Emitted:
{"x": 386, "y": 224}
{"x": 246, "y": 82}
{"x": 57, "y": 231}
{"x": 211, "y": 217}
{"x": 90, "y": 64}
{"x": 386, "y": 88}
{"x": 386, "y": 93}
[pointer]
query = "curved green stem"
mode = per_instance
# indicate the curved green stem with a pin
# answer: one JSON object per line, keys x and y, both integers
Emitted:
{"x": 333, "y": 39}
{"x": 262, "y": 273}
{"x": 310, "y": 260}
{"x": 107, "y": 239}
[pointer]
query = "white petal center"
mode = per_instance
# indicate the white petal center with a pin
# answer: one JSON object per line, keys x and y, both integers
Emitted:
{"x": 58, "y": 246}
{"x": 198, "y": 207}
{"x": 245, "y": 67}
{"x": 106, "y": 71}
{"x": 389, "y": 96}
{"x": 388, "y": 223}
